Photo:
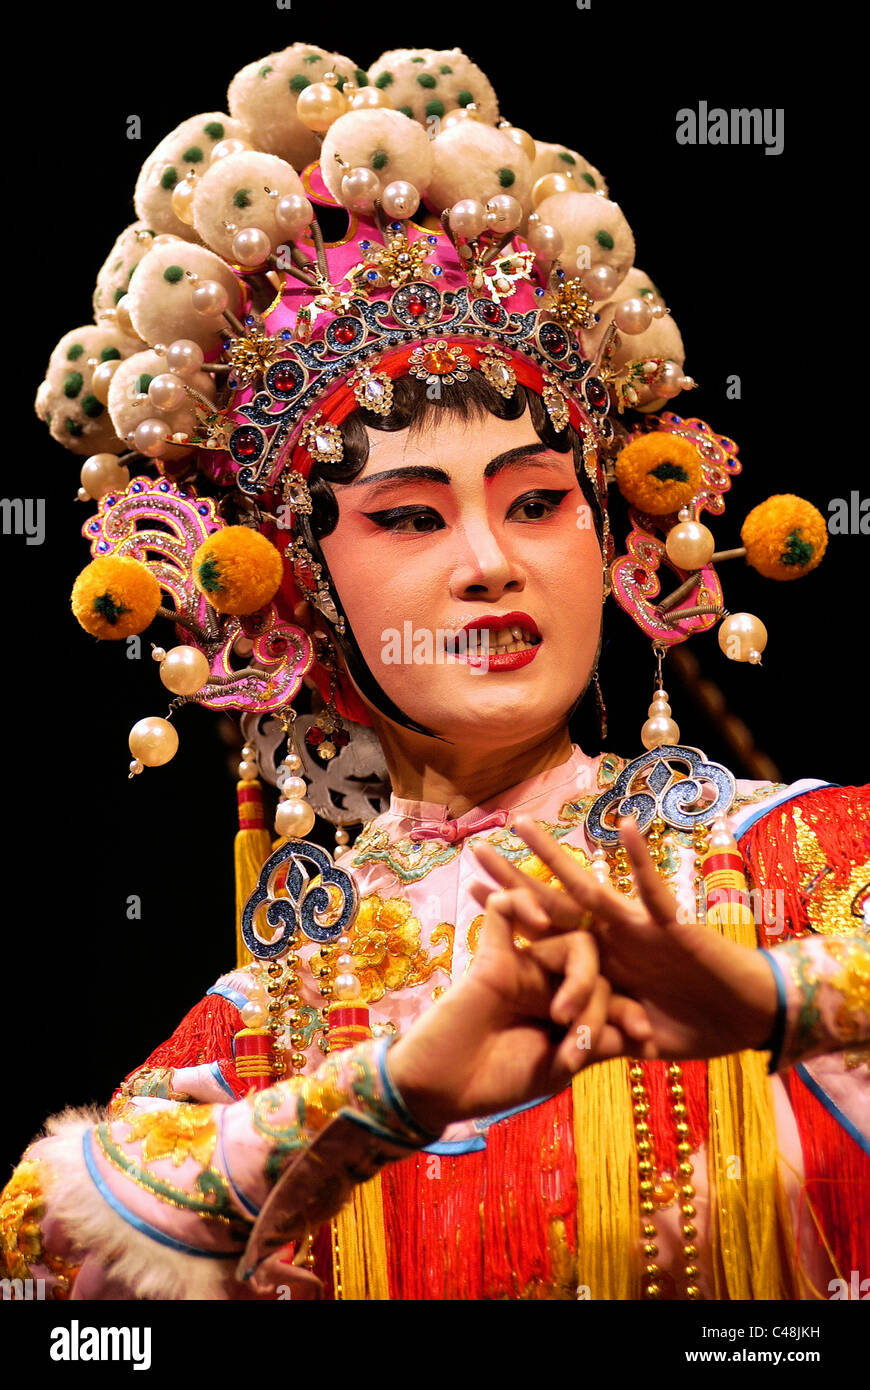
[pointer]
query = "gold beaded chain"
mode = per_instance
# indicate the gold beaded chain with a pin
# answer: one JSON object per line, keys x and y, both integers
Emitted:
{"x": 651, "y": 1194}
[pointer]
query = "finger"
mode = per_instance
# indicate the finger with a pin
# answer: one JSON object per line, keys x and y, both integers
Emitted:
{"x": 521, "y": 906}
{"x": 561, "y": 908}
{"x": 580, "y": 969}
{"x": 630, "y": 1016}
{"x": 653, "y": 892}
{"x": 602, "y": 902}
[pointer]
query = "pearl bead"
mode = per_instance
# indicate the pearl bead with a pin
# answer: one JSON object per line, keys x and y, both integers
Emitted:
{"x": 154, "y": 741}
{"x": 293, "y": 213}
{"x": 166, "y": 392}
{"x": 294, "y": 819}
{"x": 249, "y": 751}
{"x": 740, "y": 634}
{"x": 521, "y": 138}
{"x": 182, "y": 200}
{"x": 345, "y": 962}
{"x": 549, "y": 184}
{"x": 184, "y": 670}
{"x": 547, "y": 241}
{"x": 248, "y": 770}
{"x": 632, "y": 316}
{"x": 341, "y": 836}
{"x": 667, "y": 383}
{"x": 346, "y": 987}
{"x": 319, "y": 105}
{"x": 83, "y": 495}
{"x": 658, "y": 730}
{"x": 400, "y": 199}
{"x": 369, "y": 99}
{"x": 294, "y": 788}
{"x": 209, "y": 297}
{"x": 149, "y": 437}
{"x": 600, "y": 280}
{"x": 689, "y": 545}
{"x": 503, "y": 213}
{"x": 225, "y": 147}
{"x": 102, "y": 379}
{"x": 292, "y": 761}
{"x": 136, "y": 767}
{"x": 251, "y": 246}
{"x": 184, "y": 357}
{"x": 254, "y": 1014}
{"x": 687, "y": 383}
{"x": 467, "y": 218}
{"x": 359, "y": 189}
{"x": 102, "y": 473}
{"x": 122, "y": 316}
{"x": 457, "y": 115}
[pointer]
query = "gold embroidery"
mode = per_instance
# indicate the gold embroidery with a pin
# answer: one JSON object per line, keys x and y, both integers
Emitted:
{"x": 22, "y": 1208}
{"x": 832, "y": 910}
{"x": 853, "y": 983}
{"x": 184, "y": 1131}
{"x": 857, "y": 1057}
{"x": 385, "y": 943}
{"x": 408, "y": 860}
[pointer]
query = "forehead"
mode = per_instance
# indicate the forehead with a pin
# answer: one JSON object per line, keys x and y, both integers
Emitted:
{"x": 463, "y": 447}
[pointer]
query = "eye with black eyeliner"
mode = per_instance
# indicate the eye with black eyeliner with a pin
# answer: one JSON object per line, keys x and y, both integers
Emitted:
{"x": 392, "y": 518}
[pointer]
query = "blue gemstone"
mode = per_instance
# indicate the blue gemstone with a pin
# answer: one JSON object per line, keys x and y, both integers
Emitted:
{"x": 110, "y": 501}
{"x": 436, "y": 270}
{"x": 560, "y": 274}
{"x": 95, "y": 526}
{"x": 249, "y": 321}
{"x": 540, "y": 293}
{"x": 137, "y": 487}
{"x": 364, "y": 245}
{"x": 372, "y": 275}
{"x": 103, "y": 545}
{"x": 395, "y": 226}
{"x": 432, "y": 240}
{"x": 286, "y": 333}
{"x": 164, "y": 487}
{"x": 203, "y": 510}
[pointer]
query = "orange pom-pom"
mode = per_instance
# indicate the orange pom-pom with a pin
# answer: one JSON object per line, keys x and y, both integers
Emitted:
{"x": 785, "y": 537}
{"x": 238, "y": 570}
{"x": 659, "y": 472}
{"x": 115, "y": 596}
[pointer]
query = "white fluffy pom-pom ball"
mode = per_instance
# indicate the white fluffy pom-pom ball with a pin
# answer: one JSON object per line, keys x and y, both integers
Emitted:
{"x": 233, "y": 194}
{"x": 390, "y": 145}
{"x": 594, "y": 232}
{"x": 130, "y": 404}
{"x": 559, "y": 159}
{"x": 426, "y": 83}
{"x": 66, "y": 400}
{"x": 187, "y": 148}
{"x": 263, "y": 97}
{"x": 159, "y": 298}
{"x": 471, "y": 160}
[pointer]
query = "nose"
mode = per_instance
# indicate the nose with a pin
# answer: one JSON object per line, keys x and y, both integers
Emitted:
{"x": 485, "y": 566}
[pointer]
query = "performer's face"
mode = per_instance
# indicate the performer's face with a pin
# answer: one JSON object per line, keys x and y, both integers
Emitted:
{"x": 435, "y": 552}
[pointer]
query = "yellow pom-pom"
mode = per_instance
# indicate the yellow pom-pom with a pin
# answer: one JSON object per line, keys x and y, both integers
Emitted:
{"x": 785, "y": 537}
{"x": 115, "y": 597}
{"x": 238, "y": 570}
{"x": 659, "y": 472}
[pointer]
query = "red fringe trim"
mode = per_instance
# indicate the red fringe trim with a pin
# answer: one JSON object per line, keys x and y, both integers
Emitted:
{"x": 205, "y": 1034}
{"x": 455, "y": 1230}
{"x": 839, "y": 817}
{"x": 661, "y": 1116}
{"x": 836, "y": 1183}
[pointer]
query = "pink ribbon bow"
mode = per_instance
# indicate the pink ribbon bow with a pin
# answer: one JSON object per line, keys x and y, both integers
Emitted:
{"x": 458, "y": 829}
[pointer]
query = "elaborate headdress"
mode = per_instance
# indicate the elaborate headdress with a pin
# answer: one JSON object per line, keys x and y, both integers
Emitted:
{"x": 234, "y": 334}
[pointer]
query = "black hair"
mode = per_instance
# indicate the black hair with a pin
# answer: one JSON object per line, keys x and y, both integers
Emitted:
{"x": 413, "y": 407}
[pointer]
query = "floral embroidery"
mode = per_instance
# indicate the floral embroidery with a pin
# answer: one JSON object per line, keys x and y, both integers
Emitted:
{"x": 853, "y": 983}
{"x": 210, "y": 1198}
{"x": 832, "y": 909}
{"x": 22, "y": 1208}
{"x": 386, "y": 947}
{"x": 609, "y": 769}
{"x": 179, "y": 1133}
{"x": 408, "y": 860}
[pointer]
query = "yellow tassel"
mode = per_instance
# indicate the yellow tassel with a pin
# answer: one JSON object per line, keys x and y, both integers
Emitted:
{"x": 750, "y": 1225}
{"x": 253, "y": 845}
{"x": 360, "y": 1246}
{"x": 608, "y": 1203}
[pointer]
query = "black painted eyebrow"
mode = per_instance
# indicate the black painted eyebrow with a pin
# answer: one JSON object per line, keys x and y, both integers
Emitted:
{"x": 511, "y": 458}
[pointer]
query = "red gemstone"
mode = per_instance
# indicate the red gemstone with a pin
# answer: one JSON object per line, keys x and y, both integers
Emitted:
{"x": 596, "y": 394}
{"x": 341, "y": 738}
{"x": 247, "y": 442}
{"x": 639, "y": 576}
{"x": 490, "y": 312}
{"x": 415, "y": 305}
{"x": 284, "y": 379}
{"x": 314, "y": 736}
{"x": 345, "y": 333}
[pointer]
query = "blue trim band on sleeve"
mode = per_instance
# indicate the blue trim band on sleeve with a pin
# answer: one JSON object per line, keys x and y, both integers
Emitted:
{"x": 136, "y": 1221}
{"x": 221, "y": 1080}
{"x": 392, "y": 1093}
{"x": 457, "y": 1146}
{"x": 809, "y": 784}
{"x": 245, "y": 1202}
{"x": 777, "y": 1032}
{"x": 378, "y": 1132}
{"x": 833, "y": 1109}
{"x": 235, "y": 996}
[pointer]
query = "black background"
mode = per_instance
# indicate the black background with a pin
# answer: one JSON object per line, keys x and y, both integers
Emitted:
{"x": 749, "y": 251}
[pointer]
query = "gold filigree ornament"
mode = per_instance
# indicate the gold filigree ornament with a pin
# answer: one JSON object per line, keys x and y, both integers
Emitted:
{"x": 494, "y": 365}
{"x": 555, "y": 399}
{"x": 435, "y": 363}
{"x": 295, "y": 492}
{"x": 373, "y": 390}
{"x": 251, "y": 355}
{"x": 179, "y": 1133}
{"x": 397, "y": 263}
{"x": 322, "y": 439}
{"x": 500, "y": 275}
{"x": 570, "y": 304}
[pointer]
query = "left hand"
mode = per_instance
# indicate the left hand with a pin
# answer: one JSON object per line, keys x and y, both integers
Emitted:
{"x": 494, "y": 1041}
